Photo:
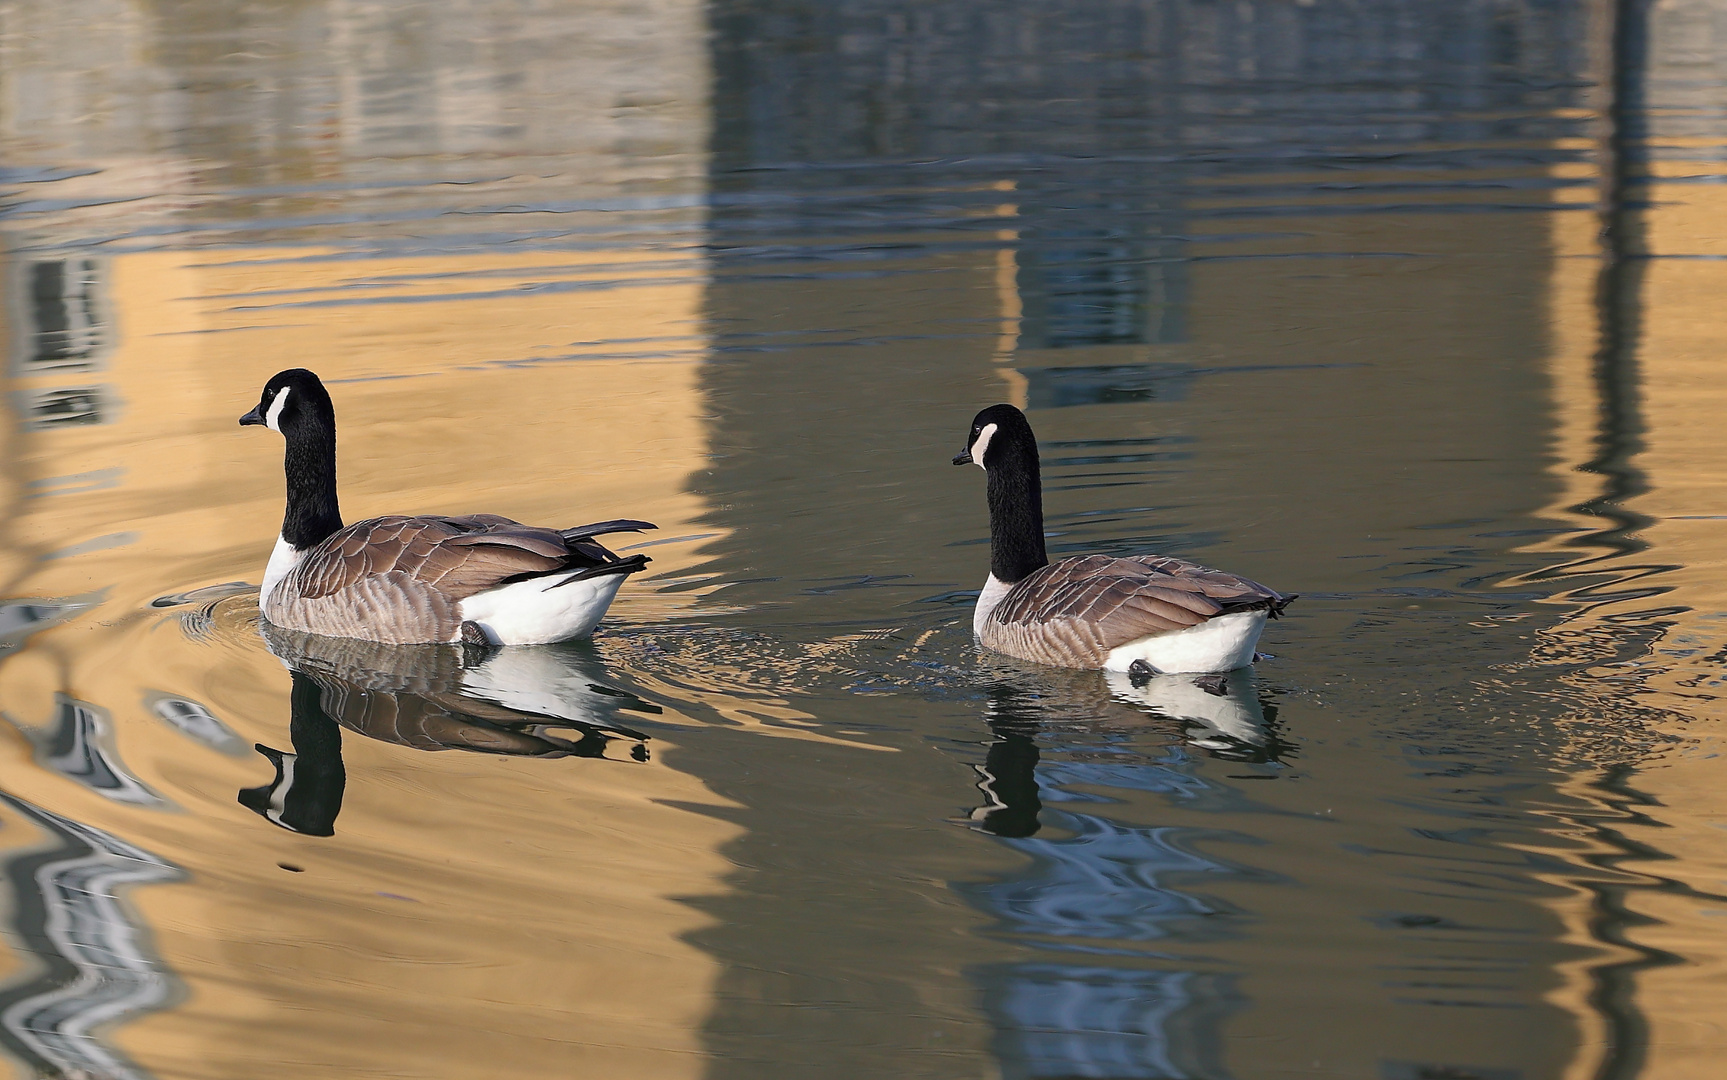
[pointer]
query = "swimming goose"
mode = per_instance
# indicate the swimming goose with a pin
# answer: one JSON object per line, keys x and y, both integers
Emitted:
{"x": 1145, "y": 613}
{"x": 480, "y": 579}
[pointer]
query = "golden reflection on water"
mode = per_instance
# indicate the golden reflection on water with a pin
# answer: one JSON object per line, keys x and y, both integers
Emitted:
{"x": 1638, "y": 420}
{"x": 466, "y": 380}
{"x": 362, "y": 932}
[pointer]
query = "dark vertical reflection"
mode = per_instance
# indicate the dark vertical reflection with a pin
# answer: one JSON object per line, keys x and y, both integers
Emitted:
{"x": 1623, "y": 154}
{"x": 1619, "y": 286}
{"x": 1624, "y": 200}
{"x": 1614, "y": 991}
{"x": 1618, "y": 301}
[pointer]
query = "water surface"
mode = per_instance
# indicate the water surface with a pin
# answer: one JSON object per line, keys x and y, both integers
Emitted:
{"x": 1408, "y": 308}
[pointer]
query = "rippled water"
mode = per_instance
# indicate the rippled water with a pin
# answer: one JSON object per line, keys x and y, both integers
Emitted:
{"x": 1412, "y": 308}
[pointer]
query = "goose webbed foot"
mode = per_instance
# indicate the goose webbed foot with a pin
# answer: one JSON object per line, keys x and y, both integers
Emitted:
{"x": 1139, "y": 673}
{"x": 476, "y": 647}
{"x": 1215, "y": 685}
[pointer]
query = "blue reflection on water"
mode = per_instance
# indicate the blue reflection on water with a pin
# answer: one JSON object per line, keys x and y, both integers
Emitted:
{"x": 1066, "y": 1020}
{"x": 1102, "y": 882}
{"x": 1095, "y": 886}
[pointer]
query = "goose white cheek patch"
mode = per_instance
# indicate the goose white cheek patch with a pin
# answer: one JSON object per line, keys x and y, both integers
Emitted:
{"x": 272, "y": 418}
{"x": 982, "y": 444}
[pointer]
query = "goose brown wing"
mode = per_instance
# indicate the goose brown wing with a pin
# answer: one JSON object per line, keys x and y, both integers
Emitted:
{"x": 457, "y": 556}
{"x": 1076, "y": 611}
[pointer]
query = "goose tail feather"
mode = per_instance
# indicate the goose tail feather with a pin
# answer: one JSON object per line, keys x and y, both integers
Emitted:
{"x": 622, "y": 566}
{"x": 1272, "y": 605}
{"x": 601, "y": 528}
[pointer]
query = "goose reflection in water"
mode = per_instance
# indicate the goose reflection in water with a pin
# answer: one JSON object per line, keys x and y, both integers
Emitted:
{"x": 1099, "y": 884}
{"x": 533, "y": 701}
{"x": 1222, "y": 714}
{"x": 1219, "y": 714}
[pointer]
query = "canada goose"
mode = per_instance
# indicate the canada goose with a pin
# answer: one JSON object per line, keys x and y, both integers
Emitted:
{"x": 481, "y": 578}
{"x": 1146, "y": 614}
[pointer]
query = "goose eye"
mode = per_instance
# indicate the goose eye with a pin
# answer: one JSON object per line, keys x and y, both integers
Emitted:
{"x": 273, "y": 411}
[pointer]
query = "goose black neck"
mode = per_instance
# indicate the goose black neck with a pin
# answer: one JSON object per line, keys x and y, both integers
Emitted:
{"x": 310, "y": 462}
{"x": 1015, "y": 510}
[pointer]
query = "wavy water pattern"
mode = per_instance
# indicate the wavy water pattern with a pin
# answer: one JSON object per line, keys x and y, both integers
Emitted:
{"x": 1406, "y": 307}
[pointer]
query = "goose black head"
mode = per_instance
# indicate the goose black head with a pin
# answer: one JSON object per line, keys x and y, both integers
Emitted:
{"x": 1001, "y": 441}
{"x": 296, "y": 404}
{"x": 993, "y": 430}
{"x": 293, "y": 402}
